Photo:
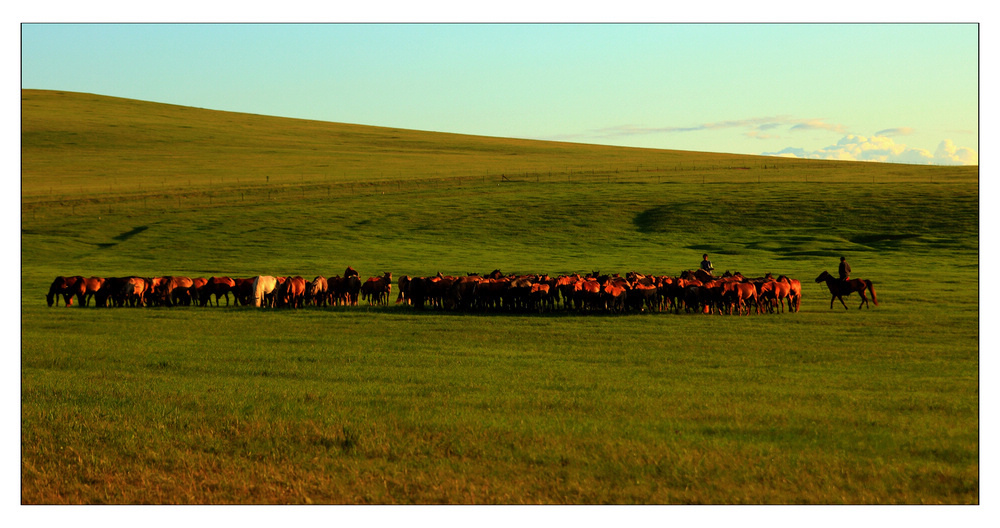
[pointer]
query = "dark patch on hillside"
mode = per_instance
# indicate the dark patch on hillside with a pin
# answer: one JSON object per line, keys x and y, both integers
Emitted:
{"x": 122, "y": 237}
{"x": 667, "y": 218}
{"x": 129, "y": 234}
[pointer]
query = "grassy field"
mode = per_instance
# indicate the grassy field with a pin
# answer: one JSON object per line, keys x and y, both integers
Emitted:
{"x": 391, "y": 406}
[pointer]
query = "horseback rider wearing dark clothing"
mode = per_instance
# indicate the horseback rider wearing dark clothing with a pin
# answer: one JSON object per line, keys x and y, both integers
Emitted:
{"x": 844, "y": 271}
{"x": 706, "y": 264}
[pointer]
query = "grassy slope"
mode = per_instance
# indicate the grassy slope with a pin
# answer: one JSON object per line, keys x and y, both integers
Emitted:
{"x": 389, "y": 406}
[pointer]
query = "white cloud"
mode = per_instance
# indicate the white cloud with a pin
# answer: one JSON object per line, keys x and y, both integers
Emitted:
{"x": 756, "y": 134}
{"x": 755, "y": 127}
{"x": 901, "y": 131}
{"x": 949, "y": 154}
{"x": 880, "y": 147}
{"x": 818, "y": 124}
{"x": 884, "y": 149}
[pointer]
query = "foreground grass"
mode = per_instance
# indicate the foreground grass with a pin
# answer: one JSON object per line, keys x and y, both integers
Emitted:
{"x": 237, "y": 406}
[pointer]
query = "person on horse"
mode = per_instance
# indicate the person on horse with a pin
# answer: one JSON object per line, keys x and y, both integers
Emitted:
{"x": 706, "y": 264}
{"x": 844, "y": 271}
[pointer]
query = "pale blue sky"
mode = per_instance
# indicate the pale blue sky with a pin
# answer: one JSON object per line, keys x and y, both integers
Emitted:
{"x": 890, "y": 92}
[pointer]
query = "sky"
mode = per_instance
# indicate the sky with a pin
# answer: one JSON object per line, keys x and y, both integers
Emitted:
{"x": 895, "y": 92}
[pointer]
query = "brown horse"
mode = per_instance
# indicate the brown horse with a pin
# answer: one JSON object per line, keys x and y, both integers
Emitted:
{"x": 219, "y": 287}
{"x": 291, "y": 291}
{"x": 774, "y": 294}
{"x": 67, "y": 288}
{"x": 176, "y": 290}
{"x": 794, "y": 292}
{"x": 614, "y": 295}
{"x": 736, "y": 296}
{"x": 698, "y": 274}
{"x": 840, "y": 288}
{"x": 404, "y": 290}
{"x": 243, "y": 291}
{"x": 94, "y": 285}
{"x": 376, "y": 289}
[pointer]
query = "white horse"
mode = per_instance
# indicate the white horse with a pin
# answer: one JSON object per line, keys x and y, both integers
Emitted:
{"x": 263, "y": 286}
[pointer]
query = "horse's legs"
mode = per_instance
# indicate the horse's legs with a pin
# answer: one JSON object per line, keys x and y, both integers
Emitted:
{"x": 841, "y": 301}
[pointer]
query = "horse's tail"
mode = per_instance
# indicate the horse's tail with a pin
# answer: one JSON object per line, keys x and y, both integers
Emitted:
{"x": 258, "y": 292}
{"x": 871, "y": 288}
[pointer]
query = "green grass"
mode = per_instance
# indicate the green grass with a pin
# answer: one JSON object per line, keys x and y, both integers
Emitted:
{"x": 387, "y": 405}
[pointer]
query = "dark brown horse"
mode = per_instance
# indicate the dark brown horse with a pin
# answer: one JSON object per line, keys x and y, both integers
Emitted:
{"x": 840, "y": 289}
{"x": 376, "y": 289}
{"x": 67, "y": 288}
{"x": 219, "y": 287}
{"x": 698, "y": 274}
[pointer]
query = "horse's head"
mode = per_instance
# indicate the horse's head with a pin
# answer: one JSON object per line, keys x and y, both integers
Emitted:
{"x": 824, "y": 276}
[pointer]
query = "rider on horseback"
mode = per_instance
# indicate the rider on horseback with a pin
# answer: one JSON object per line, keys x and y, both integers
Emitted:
{"x": 706, "y": 264}
{"x": 844, "y": 271}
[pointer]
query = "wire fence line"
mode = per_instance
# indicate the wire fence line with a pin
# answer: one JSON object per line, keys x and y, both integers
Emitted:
{"x": 207, "y": 192}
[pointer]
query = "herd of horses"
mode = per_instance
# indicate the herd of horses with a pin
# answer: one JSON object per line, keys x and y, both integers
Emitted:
{"x": 692, "y": 291}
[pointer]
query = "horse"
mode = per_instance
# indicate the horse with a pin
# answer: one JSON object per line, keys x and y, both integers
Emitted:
{"x": 352, "y": 288}
{"x": 291, "y": 291}
{"x": 490, "y": 292}
{"x": 263, "y": 290}
{"x": 156, "y": 285}
{"x": 109, "y": 293}
{"x": 564, "y": 289}
{"x": 737, "y": 294}
{"x": 698, "y": 274}
{"x": 94, "y": 285}
{"x": 316, "y": 291}
{"x": 133, "y": 291}
{"x": 839, "y": 289}
{"x": 376, "y": 289}
{"x": 174, "y": 288}
{"x": 197, "y": 287}
{"x": 613, "y": 295}
{"x": 243, "y": 291}
{"x": 404, "y": 290}
{"x": 67, "y": 287}
{"x": 462, "y": 294}
{"x": 775, "y": 293}
{"x": 644, "y": 294}
{"x": 219, "y": 287}
{"x": 586, "y": 294}
{"x": 540, "y": 296}
{"x": 794, "y": 293}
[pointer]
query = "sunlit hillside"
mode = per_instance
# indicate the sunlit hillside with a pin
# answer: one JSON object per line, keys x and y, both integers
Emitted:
{"x": 96, "y": 146}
